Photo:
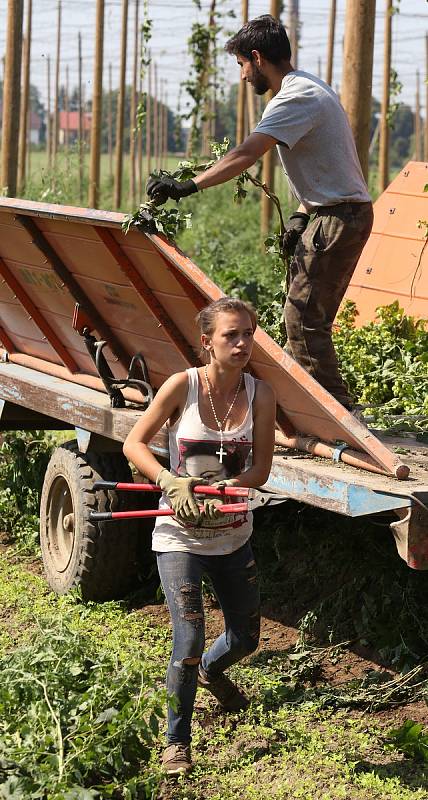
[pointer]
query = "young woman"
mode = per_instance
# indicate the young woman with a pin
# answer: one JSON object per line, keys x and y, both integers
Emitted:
{"x": 221, "y": 431}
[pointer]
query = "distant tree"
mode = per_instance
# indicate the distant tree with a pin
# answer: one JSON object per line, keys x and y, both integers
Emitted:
{"x": 226, "y": 116}
{"x": 401, "y": 135}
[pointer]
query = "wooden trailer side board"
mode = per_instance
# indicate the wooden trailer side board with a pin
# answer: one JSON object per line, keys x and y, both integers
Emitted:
{"x": 141, "y": 294}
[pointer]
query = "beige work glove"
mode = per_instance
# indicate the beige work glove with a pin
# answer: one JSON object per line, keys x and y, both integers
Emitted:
{"x": 225, "y": 482}
{"x": 211, "y": 509}
{"x": 179, "y": 492}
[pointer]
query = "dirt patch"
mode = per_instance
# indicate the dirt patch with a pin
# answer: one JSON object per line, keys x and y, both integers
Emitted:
{"x": 277, "y": 637}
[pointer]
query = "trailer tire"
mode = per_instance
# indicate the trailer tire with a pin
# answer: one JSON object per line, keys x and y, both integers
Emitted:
{"x": 100, "y": 558}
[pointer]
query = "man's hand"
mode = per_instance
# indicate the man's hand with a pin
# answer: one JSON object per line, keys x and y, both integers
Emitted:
{"x": 294, "y": 228}
{"x": 160, "y": 189}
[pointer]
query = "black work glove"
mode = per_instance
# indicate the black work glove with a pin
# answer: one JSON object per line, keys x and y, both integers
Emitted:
{"x": 160, "y": 189}
{"x": 294, "y": 228}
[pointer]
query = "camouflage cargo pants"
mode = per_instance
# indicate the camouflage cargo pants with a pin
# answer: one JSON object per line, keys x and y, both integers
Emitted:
{"x": 325, "y": 258}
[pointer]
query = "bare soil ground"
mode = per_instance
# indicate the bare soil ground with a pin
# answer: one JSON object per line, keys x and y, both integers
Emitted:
{"x": 353, "y": 664}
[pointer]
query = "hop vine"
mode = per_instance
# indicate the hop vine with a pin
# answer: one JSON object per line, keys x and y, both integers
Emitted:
{"x": 145, "y": 59}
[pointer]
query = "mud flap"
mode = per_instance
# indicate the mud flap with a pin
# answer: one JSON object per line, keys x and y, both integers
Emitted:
{"x": 410, "y": 532}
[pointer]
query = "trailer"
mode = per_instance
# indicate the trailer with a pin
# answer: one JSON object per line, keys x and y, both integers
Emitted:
{"x": 92, "y": 321}
{"x": 394, "y": 262}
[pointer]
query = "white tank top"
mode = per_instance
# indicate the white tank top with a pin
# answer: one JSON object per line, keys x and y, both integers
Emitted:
{"x": 192, "y": 452}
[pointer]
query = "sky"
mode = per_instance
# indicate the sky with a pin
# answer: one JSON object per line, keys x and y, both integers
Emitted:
{"x": 172, "y": 23}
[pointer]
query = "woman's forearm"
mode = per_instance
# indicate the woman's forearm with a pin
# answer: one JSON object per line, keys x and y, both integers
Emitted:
{"x": 251, "y": 478}
{"x": 143, "y": 459}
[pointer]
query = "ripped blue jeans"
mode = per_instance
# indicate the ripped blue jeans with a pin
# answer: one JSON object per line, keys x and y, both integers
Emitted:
{"x": 235, "y": 582}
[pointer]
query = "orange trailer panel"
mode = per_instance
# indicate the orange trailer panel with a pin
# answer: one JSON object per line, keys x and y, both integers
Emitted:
{"x": 394, "y": 263}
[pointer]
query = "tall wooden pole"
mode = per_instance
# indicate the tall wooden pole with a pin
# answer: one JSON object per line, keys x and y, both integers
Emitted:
{"x": 268, "y": 171}
{"x": 55, "y": 135}
{"x": 213, "y": 109}
{"x": 205, "y": 81}
{"x": 110, "y": 123}
{"x": 156, "y": 117}
{"x": 242, "y": 94}
{"x": 11, "y": 96}
{"x": 165, "y": 127}
{"x": 160, "y": 122}
{"x": 293, "y": 31}
{"x": 25, "y": 102}
{"x": 49, "y": 114}
{"x": 357, "y": 73}
{"x": 149, "y": 120}
{"x": 384, "y": 114}
{"x": 418, "y": 143}
{"x": 80, "y": 109}
{"x": 97, "y": 102}
{"x": 120, "y": 112}
{"x": 133, "y": 112}
{"x": 426, "y": 100}
{"x": 330, "y": 46}
{"x": 140, "y": 128}
{"x": 67, "y": 109}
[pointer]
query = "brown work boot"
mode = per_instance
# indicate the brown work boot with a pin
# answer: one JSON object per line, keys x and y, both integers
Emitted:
{"x": 176, "y": 759}
{"x": 228, "y": 695}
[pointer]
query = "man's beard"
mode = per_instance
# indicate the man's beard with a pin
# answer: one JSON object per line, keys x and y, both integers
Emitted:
{"x": 259, "y": 81}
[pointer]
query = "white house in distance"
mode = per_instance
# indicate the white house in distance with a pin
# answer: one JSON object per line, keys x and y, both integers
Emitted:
{"x": 69, "y": 123}
{"x": 35, "y": 127}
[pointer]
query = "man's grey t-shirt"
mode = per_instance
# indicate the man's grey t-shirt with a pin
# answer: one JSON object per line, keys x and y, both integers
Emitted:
{"x": 315, "y": 142}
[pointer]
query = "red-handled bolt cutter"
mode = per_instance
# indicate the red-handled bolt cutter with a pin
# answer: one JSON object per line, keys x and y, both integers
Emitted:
{"x": 254, "y": 498}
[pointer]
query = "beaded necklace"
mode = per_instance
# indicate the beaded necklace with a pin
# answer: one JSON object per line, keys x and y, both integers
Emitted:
{"x": 220, "y": 453}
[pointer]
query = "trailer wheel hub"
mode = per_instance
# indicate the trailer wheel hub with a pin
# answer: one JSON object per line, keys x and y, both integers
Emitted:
{"x": 60, "y": 523}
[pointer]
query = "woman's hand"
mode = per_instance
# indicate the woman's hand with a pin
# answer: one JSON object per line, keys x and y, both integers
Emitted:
{"x": 180, "y": 493}
{"x": 211, "y": 509}
{"x": 225, "y": 482}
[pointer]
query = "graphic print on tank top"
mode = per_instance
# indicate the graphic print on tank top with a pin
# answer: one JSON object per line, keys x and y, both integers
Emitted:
{"x": 200, "y": 458}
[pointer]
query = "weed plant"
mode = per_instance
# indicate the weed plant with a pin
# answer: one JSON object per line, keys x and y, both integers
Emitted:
{"x": 24, "y": 457}
{"x": 385, "y": 362}
{"x": 73, "y": 715}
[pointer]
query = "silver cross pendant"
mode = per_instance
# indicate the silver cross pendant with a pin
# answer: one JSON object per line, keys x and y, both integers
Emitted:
{"x": 220, "y": 453}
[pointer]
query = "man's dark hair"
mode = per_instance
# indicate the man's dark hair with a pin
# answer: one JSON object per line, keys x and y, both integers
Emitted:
{"x": 265, "y": 34}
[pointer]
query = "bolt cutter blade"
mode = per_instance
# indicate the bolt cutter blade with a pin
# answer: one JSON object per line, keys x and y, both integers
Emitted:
{"x": 259, "y": 499}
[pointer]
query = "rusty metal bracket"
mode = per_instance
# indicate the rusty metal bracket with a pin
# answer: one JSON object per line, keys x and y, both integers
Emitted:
{"x": 82, "y": 326}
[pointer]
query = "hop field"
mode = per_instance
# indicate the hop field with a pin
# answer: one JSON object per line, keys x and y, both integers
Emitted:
{"x": 338, "y": 687}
